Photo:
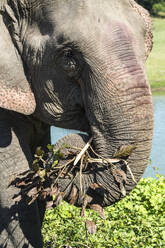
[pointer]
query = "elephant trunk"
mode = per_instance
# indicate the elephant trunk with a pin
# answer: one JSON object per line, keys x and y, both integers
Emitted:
{"x": 120, "y": 114}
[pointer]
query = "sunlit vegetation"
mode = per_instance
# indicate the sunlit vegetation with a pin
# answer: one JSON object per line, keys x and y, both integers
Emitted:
{"x": 136, "y": 221}
{"x": 156, "y": 60}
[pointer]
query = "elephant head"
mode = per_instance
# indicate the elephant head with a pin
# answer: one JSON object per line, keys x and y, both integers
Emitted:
{"x": 81, "y": 65}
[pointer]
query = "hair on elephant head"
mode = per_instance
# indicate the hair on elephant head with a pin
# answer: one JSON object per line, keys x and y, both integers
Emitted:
{"x": 81, "y": 65}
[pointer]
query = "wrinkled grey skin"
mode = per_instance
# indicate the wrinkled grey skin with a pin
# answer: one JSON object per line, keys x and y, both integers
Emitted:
{"x": 85, "y": 64}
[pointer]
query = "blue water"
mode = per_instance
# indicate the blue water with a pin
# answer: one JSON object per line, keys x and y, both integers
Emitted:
{"x": 158, "y": 143}
{"x": 158, "y": 146}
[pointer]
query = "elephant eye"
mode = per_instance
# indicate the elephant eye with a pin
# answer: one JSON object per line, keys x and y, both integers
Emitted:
{"x": 69, "y": 64}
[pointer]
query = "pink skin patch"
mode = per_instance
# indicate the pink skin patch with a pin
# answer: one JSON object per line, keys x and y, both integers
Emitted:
{"x": 17, "y": 100}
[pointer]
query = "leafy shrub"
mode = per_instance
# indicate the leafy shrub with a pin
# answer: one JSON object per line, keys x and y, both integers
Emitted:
{"x": 158, "y": 7}
{"x": 135, "y": 222}
{"x": 153, "y": 6}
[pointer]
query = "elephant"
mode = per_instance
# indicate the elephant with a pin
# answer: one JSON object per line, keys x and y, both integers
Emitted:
{"x": 75, "y": 65}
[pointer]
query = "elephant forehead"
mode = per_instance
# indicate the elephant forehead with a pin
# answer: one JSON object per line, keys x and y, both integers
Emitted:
{"x": 82, "y": 14}
{"x": 82, "y": 20}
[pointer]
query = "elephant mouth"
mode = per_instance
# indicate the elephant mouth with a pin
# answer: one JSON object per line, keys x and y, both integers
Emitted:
{"x": 102, "y": 180}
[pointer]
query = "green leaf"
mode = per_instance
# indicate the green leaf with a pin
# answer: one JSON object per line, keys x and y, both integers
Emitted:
{"x": 55, "y": 163}
{"x": 65, "y": 146}
{"x": 39, "y": 151}
{"x": 61, "y": 155}
{"x": 53, "y": 197}
{"x": 50, "y": 147}
{"x": 163, "y": 234}
{"x": 43, "y": 173}
{"x": 56, "y": 151}
{"x": 124, "y": 151}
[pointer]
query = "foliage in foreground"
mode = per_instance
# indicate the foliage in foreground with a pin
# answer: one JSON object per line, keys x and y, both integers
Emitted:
{"x": 135, "y": 222}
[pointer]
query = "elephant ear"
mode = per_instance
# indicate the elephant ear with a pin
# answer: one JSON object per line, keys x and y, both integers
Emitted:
{"x": 15, "y": 90}
{"x": 148, "y": 22}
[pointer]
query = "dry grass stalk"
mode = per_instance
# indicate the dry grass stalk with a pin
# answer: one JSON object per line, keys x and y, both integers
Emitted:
{"x": 77, "y": 159}
{"x": 129, "y": 169}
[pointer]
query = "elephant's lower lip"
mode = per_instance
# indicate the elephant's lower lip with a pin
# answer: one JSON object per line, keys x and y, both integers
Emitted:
{"x": 57, "y": 133}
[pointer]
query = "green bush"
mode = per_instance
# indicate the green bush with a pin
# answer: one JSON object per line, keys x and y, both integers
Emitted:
{"x": 135, "y": 222}
{"x": 158, "y": 7}
{"x": 153, "y": 6}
